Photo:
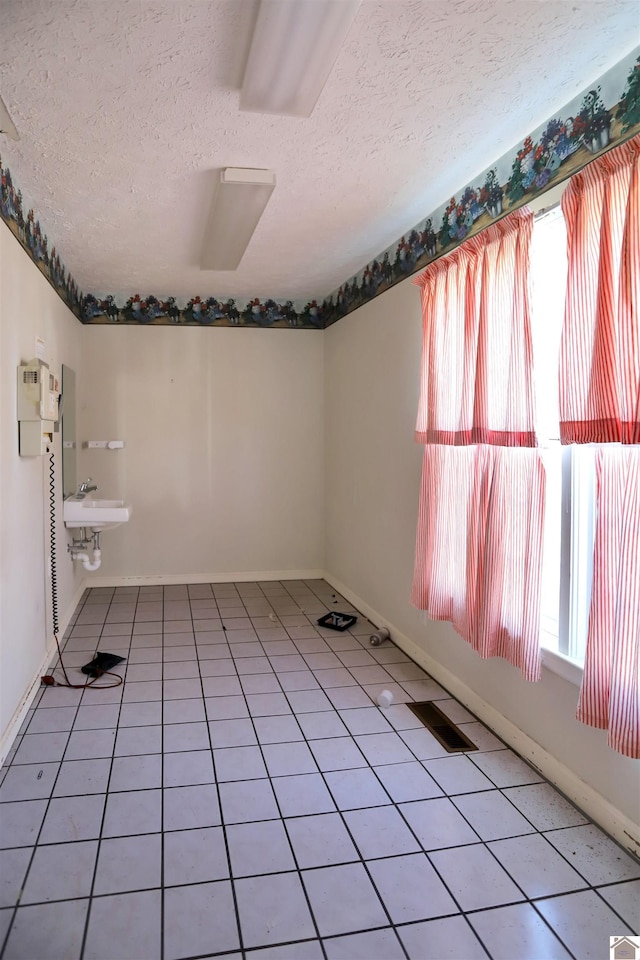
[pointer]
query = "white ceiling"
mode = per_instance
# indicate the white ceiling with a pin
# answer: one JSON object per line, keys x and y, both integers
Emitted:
{"x": 124, "y": 108}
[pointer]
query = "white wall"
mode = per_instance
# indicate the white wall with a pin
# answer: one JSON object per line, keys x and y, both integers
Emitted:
{"x": 29, "y": 308}
{"x": 224, "y": 457}
{"x": 373, "y": 466}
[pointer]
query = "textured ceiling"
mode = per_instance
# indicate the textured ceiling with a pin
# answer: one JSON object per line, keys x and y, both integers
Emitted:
{"x": 125, "y": 107}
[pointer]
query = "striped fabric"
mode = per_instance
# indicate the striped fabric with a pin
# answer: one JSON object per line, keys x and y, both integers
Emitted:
{"x": 479, "y": 548}
{"x": 476, "y": 384}
{"x": 600, "y": 351}
{"x": 610, "y": 692}
{"x": 481, "y": 517}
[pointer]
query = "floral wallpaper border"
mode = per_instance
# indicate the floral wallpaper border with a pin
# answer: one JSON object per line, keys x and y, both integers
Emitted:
{"x": 551, "y": 154}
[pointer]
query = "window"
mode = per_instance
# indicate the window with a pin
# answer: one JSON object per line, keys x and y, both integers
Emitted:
{"x": 569, "y": 514}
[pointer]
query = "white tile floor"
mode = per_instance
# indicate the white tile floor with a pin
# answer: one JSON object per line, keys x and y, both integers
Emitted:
{"x": 242, "y": 796}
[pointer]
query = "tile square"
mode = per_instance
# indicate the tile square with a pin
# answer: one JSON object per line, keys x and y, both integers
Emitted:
{"x": 60, "y": 697}
{"x": 474, "y": 878}
{"x": 132, "y": 813}
{"x": 90, "y": 744}
{"x": 267, "y": 704}
{"x": 137, "y": 932}
{"x": 406, "y": 670}
{"x": 423, "y": 744}
{"x": 173, "y": 653}
{"x": 380, "y": 944}
{"x": 48, "y": 931}
{"x": 302, "y": 795}
{"x": 366, "y": 720}
{"x": 20, "y": 823}
{"x": 232, "y": 733}
{"x": 380, "y": 748}
{"x": 63, "y": 871}
{"x": 346, "y": 698}
{"x": 284, "y": 759}
{"x": 380, "y": 832}
{"x": 97, "y": 717}
{"x": 584, "y": 923}
{"x": 483, "y": 738}
{"x": 247, "y": 666}
{"x": 282, "y": 729}
{"x": 437, "y": 823}
{"x": 320, "y": 840}
{"x": 356, "y": 657}
{"x": 334, "y": 677}
{"x": 337, "y": 753}
{"x": 536, "y": 866}
{"x": 501, "y": 927}
{"x": 624, "y": 898}
{"x": 273, "y": 909}
{"x": 197, "y": 917}
{"x": 182, "y": 689}
{"x": 448, "y": 938}
{"x": 129, "y": 863}
{"x": 491, "y": 815}
{"x": 188, "y": 769}
{"x": 52, "y": 720}
{"x": 145, "y": 655}
{"x": 410, "y": 888}
{"x": 308, "y": 701}
{"x": 29, "y": 782}
{"x": 504, "y": 768}
{"x": 139, "y": 672}
{"x": 311, "y": 644}
{"x": 195, "y": 856}
{"x": 224, "y": 667}
{"x": 298, "y": 680}
{"x": 81, "y": 777}
{"x": 226, "y": 708}
{"x": 276, "y": 646}
{"x": 221, "y": 686}
{"x": 184, "y": 711}
{"x": 343, "y": 899}
{"x": 354, "y": 789}
{"x": 407, "y": 781}
{"x": 287, "y": 664}
{"x": 181, "y": 670}
{"x": 595, "y": 855}
{"x": 140, "y": 714}
{"x": 136, "y": 773}
{"x": 260, "y": 683}
{"x": 545, "y": 807}
{"x": 180, "y": 737}
{"x": 13, "y": 868}
{"x": 41, "y": 748}
{"x": 143, "y": 691}
{"x": 457, "y": 775}
{"x": 257, "y": 848}
{"x": 318, "y": 726}
{"x": 239, "y": 763}
{"x": 246, "y": 800}
{"x": 245, "y": 649}
{"x": 73, "y": 818}
{"x": 185, "y": 808}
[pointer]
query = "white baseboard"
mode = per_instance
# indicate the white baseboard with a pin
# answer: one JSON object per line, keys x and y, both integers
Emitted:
{"x": 13, "y": 727}
{"x": 171, "y": 579}
{"x": 594, "y": 805}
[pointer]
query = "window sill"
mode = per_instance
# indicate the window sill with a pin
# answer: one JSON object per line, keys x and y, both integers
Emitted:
{"x": 566, "y": 668}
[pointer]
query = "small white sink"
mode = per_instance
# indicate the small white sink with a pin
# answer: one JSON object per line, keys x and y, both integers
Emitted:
{"x": 79, "y": 511}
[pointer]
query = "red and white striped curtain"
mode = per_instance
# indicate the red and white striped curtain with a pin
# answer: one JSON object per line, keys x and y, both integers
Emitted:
{"x": 600, "y": 403}
{"x": 610, "y": 693}
{"x": 600, "y": 349}
{"x": 479, "y": 535}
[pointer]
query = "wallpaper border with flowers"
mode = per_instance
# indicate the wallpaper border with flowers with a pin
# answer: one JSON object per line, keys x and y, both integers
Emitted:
{"x": 598, "y": 119}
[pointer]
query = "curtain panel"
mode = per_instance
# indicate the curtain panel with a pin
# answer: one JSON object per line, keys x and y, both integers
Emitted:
{"x": 610, "y": 692}
{"x": 481, "y": 514}
{"x": 475, "y": 383}
{"x": 600, "y": 347}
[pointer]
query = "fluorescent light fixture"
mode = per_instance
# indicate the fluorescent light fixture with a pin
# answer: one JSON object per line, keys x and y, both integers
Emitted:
{"x": 294, "y": 47}
{"x": 239, "y": 201}
{"x": 7, "y": 125}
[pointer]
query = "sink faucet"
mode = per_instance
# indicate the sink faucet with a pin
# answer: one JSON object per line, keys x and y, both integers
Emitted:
{"x": 86, "y": 486}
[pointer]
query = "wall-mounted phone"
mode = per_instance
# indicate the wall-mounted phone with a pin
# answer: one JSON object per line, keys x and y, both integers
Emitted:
{"x": 38, "y": 398}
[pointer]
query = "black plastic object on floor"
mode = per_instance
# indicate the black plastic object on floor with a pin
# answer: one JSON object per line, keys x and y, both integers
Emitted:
{"x": 337, "y": 621}
{"x": 101, "y": 663}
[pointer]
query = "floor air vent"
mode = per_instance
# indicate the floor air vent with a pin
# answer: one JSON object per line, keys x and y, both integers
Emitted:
{"x": 450, "y": 736}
